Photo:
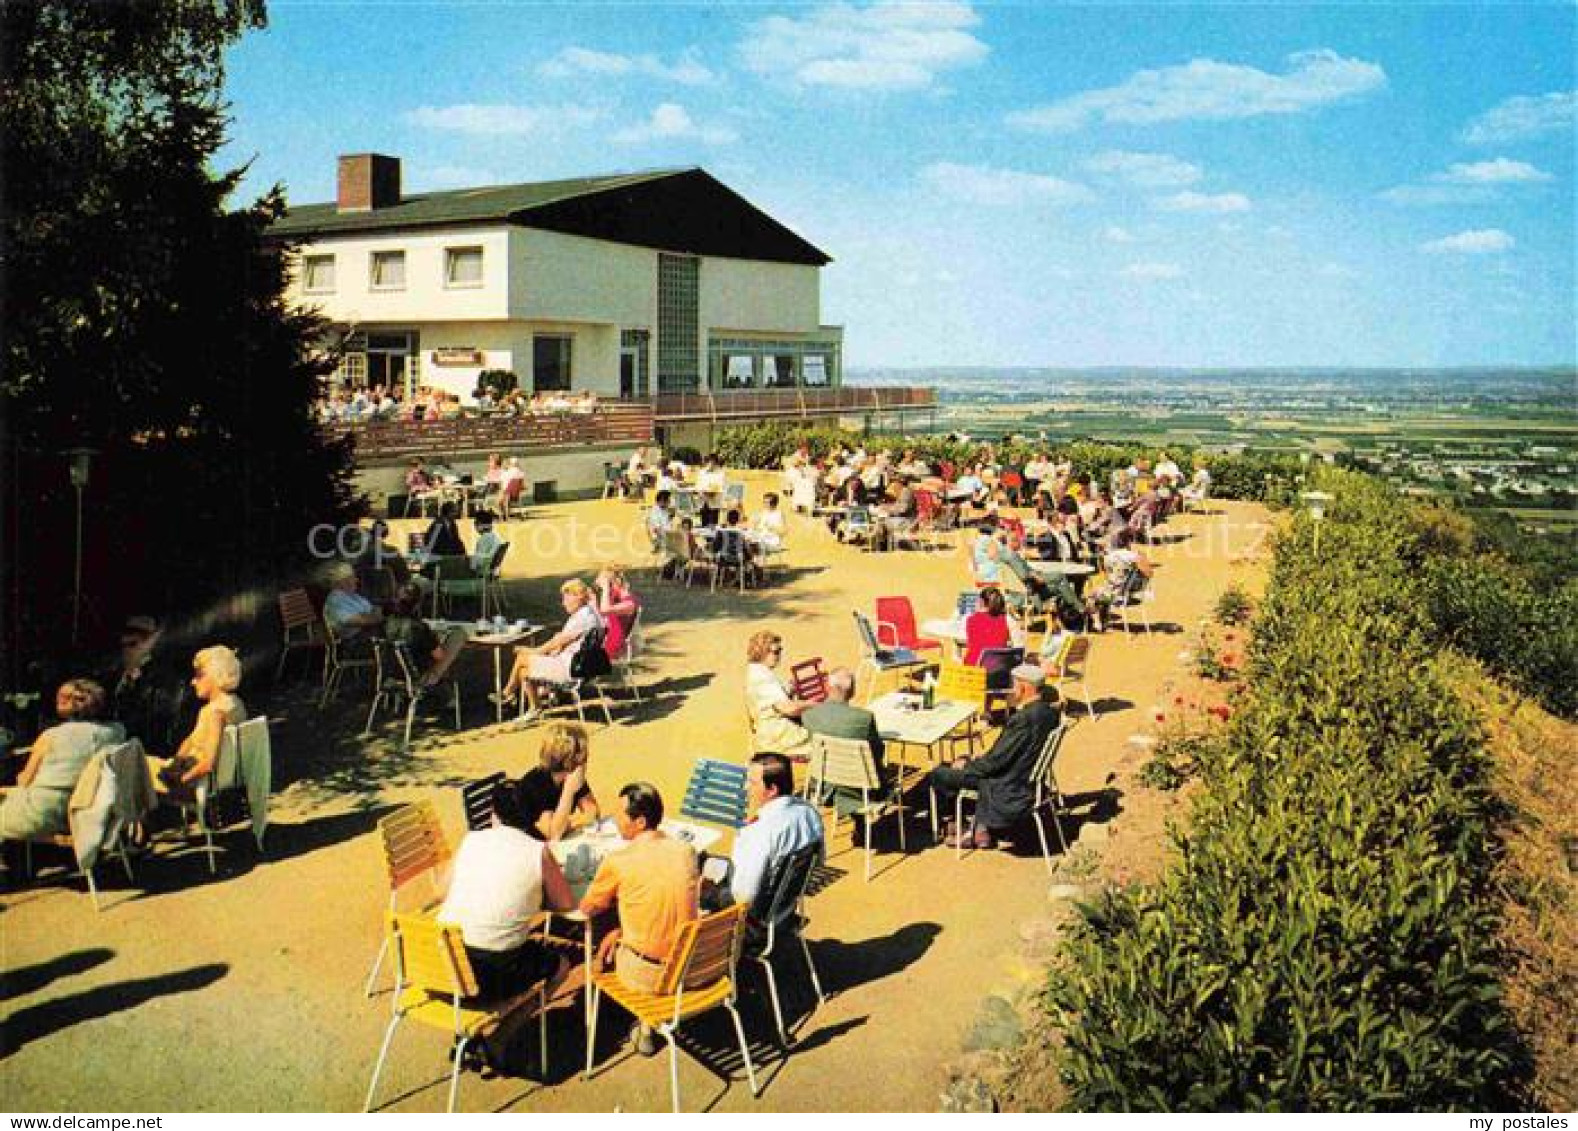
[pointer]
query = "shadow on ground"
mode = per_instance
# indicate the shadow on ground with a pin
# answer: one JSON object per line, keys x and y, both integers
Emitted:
{"x": 39, "y": 1021}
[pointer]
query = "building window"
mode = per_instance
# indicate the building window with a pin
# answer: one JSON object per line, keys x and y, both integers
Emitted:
{"x": 781, "y": 364}
{"x": 317, "y": 274}
{"x": 679, "y": 354}
{"x": 814, "y": 370}
{"x": 463, "y": 267}
{"x": 550, "y": 362}
{"x": 739, "y": 371}
{"x": 780, "y": 370}
{"x": 388, "y": 271}
{"x": 633, "y": 363}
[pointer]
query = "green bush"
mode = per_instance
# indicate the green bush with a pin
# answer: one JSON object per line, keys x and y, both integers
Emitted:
{"x": 1325, "y": 940}
{"x": 1233, "y": 607}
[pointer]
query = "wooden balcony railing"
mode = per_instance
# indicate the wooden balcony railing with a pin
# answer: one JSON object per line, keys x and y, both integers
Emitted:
{"x": 613, "y": 422}
{"x": 738, "y": 404}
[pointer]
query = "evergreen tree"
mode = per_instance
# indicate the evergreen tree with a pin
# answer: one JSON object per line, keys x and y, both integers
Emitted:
{"x": 146, "y": 321}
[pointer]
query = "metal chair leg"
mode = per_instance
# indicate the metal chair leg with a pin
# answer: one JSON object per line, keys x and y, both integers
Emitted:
{"x": 454, "y": 1072}
{"x": 816, "y": 983}
{"x": 673, "y": 1066}
{"x": 772, "y": 996}
{"x": 383, "y": 1054}
{"x": 745, "y": 1049}
{"x": 591, "y": 1025}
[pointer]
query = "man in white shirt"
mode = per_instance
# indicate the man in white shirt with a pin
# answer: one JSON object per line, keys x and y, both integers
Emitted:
{"x": 348, "y": 613}
{"x": 784, "y": 824}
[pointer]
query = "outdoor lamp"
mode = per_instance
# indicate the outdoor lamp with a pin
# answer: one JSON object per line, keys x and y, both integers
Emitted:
{"x": 81, "y": 462}
{"x": 1316, "y": 502}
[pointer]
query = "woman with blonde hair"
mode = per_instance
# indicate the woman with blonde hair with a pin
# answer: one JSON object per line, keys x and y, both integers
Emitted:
{"x": 556, "y": 788}
{"x": 550, "y": 663}
{"x": 216, "y": 675}
{"x": 773, "y": 711}
{"x": 37, "y": 805}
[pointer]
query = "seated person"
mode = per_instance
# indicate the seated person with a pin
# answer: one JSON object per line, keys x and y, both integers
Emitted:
{"x": 838, "y": 717}
{"x": 1001, "y": 776}
{"x": 986, "y": 554}
{"x": 556, "y": 786}
{"x": 349, "y": 615}
{"x": 1127, "y": 572}
{"x": 487, "y": 544}
{"x": 36, "y": 806}
{"x": 509, "y": 476}
{"x": 550, "y": 663}
{"x": 659, "y": 518}
{"x": 711, "y": 484}
{"x": 987, "y": 627}
{"x": 783, "y": 825}
{"x": 418, "y": 479}
{"x": 442, "y": 537}
{"x": 375, "y": 552}
{"x": 217, "y": 674}
{"x": 501, "y": 877}
{"x": 145, "y": 683}
{"x": 654, "y": 884}
{"x": 769, "y": 526}
{"x": 405, "y": 628}
{"x": 618, "y": 605}
{"x": 773, "y": 712}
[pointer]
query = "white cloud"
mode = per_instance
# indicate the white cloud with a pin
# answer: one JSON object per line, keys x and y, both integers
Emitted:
{"x": 670, "y": 121}
{"x": 983, "y": 184}
{"x": 1478, "y": 241}
{"x": 1116, "y": 234}
{"x": 1150, "y": 170}
{"x": 1499, "y": 171}
{"x": 1468, "y": 183}
{"x": 501, "y": 118}
{"x": 1152, "y": 271}
{"x": 574, "y": 62}
{"x": 888, "y": 45}
{"x": 1523, "y": 117}
{"x": 1204, "y": 202}
{"x": 1207, "y": 89}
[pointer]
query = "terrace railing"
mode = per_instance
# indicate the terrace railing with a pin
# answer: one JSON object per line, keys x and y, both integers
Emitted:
{"x": 613, "y": 422}
{"x": 737, "y": 404}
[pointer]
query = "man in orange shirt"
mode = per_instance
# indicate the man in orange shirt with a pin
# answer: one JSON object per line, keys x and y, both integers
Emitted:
{"x": 654, "y": 884}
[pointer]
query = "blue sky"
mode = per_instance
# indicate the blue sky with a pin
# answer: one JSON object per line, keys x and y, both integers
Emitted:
{"x": 1013, "y": 184}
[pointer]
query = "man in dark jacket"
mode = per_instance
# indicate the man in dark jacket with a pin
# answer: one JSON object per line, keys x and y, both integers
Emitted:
{"x": 1001, "y": 776}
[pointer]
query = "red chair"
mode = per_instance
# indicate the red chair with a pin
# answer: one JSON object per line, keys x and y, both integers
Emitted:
{"x": 1014, "y": 484}
{"x": 896, "y": 626}
{"x": 809, "y": 680}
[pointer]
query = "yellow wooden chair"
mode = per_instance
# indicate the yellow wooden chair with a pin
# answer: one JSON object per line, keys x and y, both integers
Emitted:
{"x": 415, "y": 849}
{"x": 1072, "y": 663}
{"x": 699, "y": 977}
{"x": 435, "y": 986}
{"x": 964, "y": 683}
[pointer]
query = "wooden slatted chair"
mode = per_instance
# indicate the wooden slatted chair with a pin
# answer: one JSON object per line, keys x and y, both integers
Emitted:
{"x": 715, "y": 794}
{"x": 302, "y": 628}
{"x": 847, "y": 764}
{"x": 476, "y": 799}
{"x": 698, "y": 977}
{"x": 964, "y": 683}
{"x": 415, "y": 849}
{"x": 1071, "y": 667}
{"x": 808, "y": 680}
{"x": 435, "y": 986}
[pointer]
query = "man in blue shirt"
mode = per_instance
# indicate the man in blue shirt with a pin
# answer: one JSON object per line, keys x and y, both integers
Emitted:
{"x": 784, "y": 824}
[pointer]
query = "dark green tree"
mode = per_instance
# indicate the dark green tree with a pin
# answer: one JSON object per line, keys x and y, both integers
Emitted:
{"x": 145, "y": 320}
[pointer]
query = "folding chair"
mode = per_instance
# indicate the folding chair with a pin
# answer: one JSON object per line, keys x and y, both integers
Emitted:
{"x": 399, "y": 679}
{"x": 808, "y": 680}
{"x": 846, "y": 763}
{"x": 240, "y": 745}
{"x": 629, "y": 654}
{"x": 302, "y": 626}
{"x": 998, "y": 664}
{"x": 715, "y": 794}
{"x": 415, "y": 848}
{"x": 963, "y": 683}
{"x": 336, "y": 663}
{"x": 1047, "y": 792}
{"x": 698, "y": 977}
{"x": 877, "y": 658}
{"x": 1071, "y": 666}
{"x": 782, "y": 904}
{"x": 436, "y": 986}
{"x": 80, "y": 840}
{"x": 476, "y": 799}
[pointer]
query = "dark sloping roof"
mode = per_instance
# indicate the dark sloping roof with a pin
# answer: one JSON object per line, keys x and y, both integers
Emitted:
{"x": 684, "y": 210}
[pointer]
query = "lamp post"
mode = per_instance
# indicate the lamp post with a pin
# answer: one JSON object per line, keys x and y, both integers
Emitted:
{"x": 1316, "y": 502}
{"x": 81, "y": 463}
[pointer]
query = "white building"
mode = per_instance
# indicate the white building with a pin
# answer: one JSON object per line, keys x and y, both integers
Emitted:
{"x": 627, "y": 285}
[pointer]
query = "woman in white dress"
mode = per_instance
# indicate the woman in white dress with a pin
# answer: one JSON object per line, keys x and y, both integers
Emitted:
{"x": 550, "y": 663}
{"x": 773, "y": 711}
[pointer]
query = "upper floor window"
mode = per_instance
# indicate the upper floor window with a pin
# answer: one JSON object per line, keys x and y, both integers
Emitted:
{"x": 317, "y": 274}
{"x": 463, "y": 267}
{"x": 388, "y": 271}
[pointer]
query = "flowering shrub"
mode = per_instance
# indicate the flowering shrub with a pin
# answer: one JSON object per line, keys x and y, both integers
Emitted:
{"x": 1325, "y": 939}
{"x": 1233, "y": 607}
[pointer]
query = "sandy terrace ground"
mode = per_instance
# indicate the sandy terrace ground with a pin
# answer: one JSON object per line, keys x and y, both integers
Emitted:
{"x": 244, "y": 991}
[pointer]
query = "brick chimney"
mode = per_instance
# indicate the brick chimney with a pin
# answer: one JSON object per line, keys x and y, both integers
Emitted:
{"x": 368, "y": 181}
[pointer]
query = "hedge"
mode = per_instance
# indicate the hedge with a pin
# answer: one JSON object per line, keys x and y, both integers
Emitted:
{"x": 1326, "y": 938}
{"x": 1264, "y": 478}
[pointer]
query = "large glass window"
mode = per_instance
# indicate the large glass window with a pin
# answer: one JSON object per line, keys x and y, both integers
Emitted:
{"x": 775, "y": 364}
{"x": 317, "y": 274}
{"x": 388, "y": 271}
{"x": 550, "y": 362}
{"x": 780, "y": 370}
{"x": 633, "y": 346}
{"x": 814, "y": 370}
{"x": 739, "y": 371}
{"x": 679, "y": 354}
{"x": 463, "y": 267}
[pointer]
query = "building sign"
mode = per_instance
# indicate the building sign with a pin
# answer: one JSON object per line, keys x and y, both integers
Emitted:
{"x": 457, "y": 357}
